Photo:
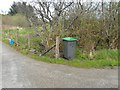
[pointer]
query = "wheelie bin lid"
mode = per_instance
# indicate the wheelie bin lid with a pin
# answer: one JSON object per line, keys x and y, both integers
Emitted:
{"x": 69, "y": 39}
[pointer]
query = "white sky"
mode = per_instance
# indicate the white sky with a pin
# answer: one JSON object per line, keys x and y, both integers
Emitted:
{"x": 5, "y": 4}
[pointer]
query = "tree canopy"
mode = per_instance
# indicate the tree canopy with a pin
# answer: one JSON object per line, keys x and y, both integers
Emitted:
{"x": 94, "y": 24}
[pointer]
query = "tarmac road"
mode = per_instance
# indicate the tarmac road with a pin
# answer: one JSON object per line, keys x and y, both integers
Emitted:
{"x": 19, "y": 71}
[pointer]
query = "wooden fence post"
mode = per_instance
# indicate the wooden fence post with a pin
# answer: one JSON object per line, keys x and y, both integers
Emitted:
{"x": 17, "y": 44}
{"x": 28, "y": 40}
{"x": 3, "y": 34}
{"x": 9, "y": 34}
{"x": 57, "y": 54}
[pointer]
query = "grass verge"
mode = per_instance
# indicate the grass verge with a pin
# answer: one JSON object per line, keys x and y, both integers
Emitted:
{"x": 103, "y": 58}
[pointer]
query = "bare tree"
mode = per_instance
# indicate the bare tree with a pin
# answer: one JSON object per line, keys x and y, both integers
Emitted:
{"x": 49, "y": 13}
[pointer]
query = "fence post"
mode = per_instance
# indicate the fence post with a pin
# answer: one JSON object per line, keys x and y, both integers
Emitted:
{"x": 28, "y": 36}
{"x": 57, "y": 54}
{"x": 9, "y": 34}
{"x": 17, "y": 44}
{"x": 3, "y": 34}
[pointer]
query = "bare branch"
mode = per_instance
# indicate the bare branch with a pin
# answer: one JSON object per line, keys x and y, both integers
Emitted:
{"x": 71, "y": 23}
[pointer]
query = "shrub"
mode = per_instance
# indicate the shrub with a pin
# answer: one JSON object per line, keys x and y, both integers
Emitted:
{"x": 36, "y": 44}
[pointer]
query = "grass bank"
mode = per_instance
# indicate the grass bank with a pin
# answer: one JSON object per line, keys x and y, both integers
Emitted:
{"x": 102, "y": 58}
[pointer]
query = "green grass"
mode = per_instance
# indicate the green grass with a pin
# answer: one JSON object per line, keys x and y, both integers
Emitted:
{"x": 102, "y": 58}
{"x": 83, "y": 61}
{"x": 102, "y": 62}
{"x": 108, "y": 54}
{"x": 23, "y": 31}
{"x": 78, "y": 63}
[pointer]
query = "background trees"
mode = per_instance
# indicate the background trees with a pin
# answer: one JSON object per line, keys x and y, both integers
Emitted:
{"x": 94, "y": 24}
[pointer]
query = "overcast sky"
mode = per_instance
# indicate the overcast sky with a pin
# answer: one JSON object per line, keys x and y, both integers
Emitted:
{"x": 5, "y": 4}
